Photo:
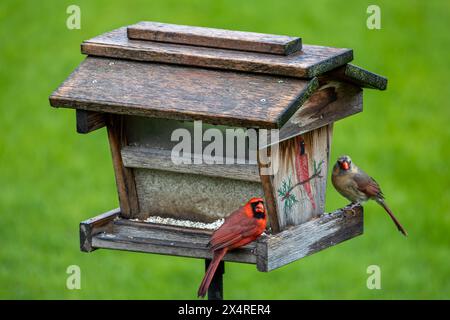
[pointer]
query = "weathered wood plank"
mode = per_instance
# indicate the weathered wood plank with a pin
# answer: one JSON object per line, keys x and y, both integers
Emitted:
{"x": 88, "y": 121}
{"x": 358, "y": 76}
{"x": 160, "y": 159}
{"x": 307, "y": 92}
{"x": 277, "y": 250}
{"x": 178, "y": 92}
{"x": 310, "y": 62}
{"x": 92, "y": 226}
{"x": 269, "y": 191}
{"x": 126, "y": 188}
{"x": 152, "y": 238}
{"x": 214, "y": 38}
{"x": 269, "y": 252}
{"x": 331, "y": 102}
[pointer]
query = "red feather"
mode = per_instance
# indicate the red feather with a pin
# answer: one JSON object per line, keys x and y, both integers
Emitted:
{"x": 239, "y": 228}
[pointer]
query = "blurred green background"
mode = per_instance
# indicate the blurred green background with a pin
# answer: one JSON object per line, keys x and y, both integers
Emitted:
{"x": 52, "y": 178}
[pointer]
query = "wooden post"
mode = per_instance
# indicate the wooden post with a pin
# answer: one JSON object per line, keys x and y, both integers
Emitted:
{"x": 128, "y": 199}
{"x": 215, "y": 291}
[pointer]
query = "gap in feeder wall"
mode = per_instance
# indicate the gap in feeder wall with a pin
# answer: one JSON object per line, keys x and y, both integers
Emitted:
{"x": 200, "y": 139}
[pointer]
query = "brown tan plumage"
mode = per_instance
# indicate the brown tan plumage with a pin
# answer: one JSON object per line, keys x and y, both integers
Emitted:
{"x": 358, "y": 187}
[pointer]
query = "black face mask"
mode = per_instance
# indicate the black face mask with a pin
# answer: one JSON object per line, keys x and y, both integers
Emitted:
{"x": 257, "y": 215}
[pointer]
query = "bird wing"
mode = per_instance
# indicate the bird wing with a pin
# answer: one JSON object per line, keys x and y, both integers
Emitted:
{"x": 237, "y": 226}
{"x": 368, "y": 185}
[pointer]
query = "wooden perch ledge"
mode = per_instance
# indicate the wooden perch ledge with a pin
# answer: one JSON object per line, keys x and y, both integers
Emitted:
{"x": 270, "y": 252}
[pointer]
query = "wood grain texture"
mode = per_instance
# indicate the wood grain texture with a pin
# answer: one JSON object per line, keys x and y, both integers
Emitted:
{"x": 307, "y": 92}
{"x": 214, "y": 38}
{"x": 190, "y": 196}
{"x": 274, "y": 251}
{"x": 160, "y": 159}
{"x": 169, "y": 240}
{"x": 88, "y": 121}
{"x": 358, "y": 76}
{"x": 125, "y": 182}
{"x": 183, "y": 93}
{"x": 92, "y": 226}
{"x": 269, "y": 191}
{"x": 269, "y": 252}
{"x": 299, "y": 187}
{"x": 333, "y": 101}
{"x": 310, "y": 62}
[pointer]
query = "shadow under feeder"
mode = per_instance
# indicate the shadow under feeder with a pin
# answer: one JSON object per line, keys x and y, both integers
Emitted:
{"x": 144, "y": 81}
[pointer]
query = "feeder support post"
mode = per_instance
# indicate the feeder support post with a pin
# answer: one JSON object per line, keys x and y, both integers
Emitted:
{"x": 215, "y": 291}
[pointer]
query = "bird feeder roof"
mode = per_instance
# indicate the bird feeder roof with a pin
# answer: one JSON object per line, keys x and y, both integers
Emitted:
{"x": 191, "y": 73}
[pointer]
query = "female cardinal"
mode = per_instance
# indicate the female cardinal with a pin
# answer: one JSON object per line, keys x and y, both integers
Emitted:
{"x": 358, "y": 187}
{"x": 241, "y": 227}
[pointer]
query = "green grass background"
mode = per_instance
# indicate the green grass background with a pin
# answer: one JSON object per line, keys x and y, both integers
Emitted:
{"x": 52, "y": 178}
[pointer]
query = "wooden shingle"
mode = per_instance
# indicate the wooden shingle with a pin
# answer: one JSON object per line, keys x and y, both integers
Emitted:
{"x": 183, "y": 93}
{"x": 310, "y": 62}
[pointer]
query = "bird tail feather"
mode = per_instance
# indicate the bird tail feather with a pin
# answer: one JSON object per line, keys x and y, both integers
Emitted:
{"x": 400, "y": 228}
{"x": 209, "y": 274}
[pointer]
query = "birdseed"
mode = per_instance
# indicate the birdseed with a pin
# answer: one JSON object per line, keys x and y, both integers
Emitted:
{"x": 183, "y": 223}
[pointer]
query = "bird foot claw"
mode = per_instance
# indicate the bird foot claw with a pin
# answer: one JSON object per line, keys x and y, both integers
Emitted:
{"x": 351, "y": 207}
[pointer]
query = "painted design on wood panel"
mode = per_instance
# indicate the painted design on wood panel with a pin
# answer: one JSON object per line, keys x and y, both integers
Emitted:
{"x": 287, "y": 197}
{"x": 301, "y": 179}
{"x": 285, "y": 191}
{"x": 302, "y": 168}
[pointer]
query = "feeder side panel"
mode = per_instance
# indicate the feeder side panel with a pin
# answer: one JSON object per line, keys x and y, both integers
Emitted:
{"x": 125, "y": 182}
{"x": 300, "y": 181}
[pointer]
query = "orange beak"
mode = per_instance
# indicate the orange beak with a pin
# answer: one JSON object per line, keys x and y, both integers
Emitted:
{"x": 344, "y": 165}
{"x": 259, "y": 207}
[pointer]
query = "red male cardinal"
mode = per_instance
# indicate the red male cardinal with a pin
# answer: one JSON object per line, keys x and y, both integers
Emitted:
{"x": 241, "y": 227}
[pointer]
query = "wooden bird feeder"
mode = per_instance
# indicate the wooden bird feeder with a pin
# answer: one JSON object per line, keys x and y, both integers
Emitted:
{"x": 144, "y": 81}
